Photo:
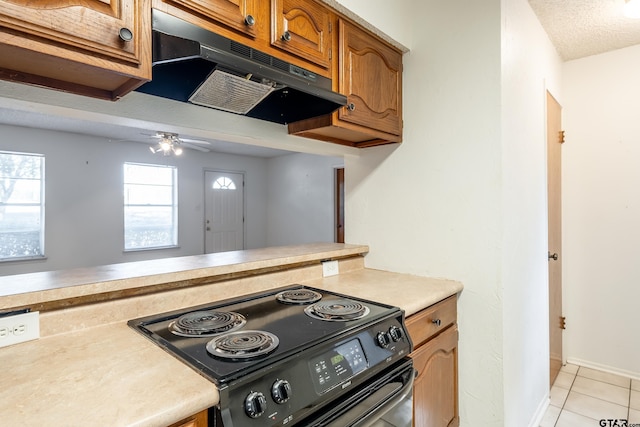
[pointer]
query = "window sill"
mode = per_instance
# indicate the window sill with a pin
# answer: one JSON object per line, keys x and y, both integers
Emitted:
{"x": 155, "y": 248}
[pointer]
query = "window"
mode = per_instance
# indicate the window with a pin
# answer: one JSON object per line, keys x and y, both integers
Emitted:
{"x": 224, "y": 183}
{"x": 150, "y": 206}
{"x": 21, "y": 206}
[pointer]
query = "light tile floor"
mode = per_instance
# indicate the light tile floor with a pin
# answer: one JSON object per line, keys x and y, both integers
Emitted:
{"x": 581, "y": 397}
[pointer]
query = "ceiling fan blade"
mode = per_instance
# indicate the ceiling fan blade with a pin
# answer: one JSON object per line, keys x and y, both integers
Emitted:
{"x": 195, "y": 147}
{"x": 194, "y": 141}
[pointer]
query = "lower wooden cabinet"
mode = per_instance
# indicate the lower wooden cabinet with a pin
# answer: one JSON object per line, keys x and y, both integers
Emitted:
{"x": 197, "y": 420}
{"x": 435, "y": 357}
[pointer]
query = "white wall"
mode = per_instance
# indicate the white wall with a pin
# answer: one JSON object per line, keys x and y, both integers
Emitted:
{"x": 301, "y": 199}
{"x": 84, "y": 225}
{"x": 464, "y": 196}
{"x": 601, "y": 209}
{"x": 83, "y": 213}
{"x": 530, "y": 66}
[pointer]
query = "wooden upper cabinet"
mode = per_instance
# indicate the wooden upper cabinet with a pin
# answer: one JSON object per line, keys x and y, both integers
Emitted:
{"x": 371, "y": 78}
{"x": 303, "y": 28}
{"x": 242, "y": 16}
{"x": 93, "y": 47}
{"x": 369, "y": 72}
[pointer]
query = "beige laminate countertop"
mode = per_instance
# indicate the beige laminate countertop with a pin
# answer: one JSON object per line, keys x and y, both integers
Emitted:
{"x": 112, "y": 375}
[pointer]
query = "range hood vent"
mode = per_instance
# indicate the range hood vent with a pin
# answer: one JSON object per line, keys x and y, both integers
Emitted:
{"x": 194, "y": 65}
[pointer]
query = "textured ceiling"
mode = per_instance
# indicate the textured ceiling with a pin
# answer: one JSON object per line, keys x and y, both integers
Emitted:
{"x": 580, "y": 28}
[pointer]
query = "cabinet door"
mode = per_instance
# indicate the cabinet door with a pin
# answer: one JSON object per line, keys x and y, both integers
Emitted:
{"x": 197, "y": 420}
{"x": 89, "y": 26}
{"x": 371, "y": 78}
{"x": 302, "y": 27}
{"x": 239, "y": 15}
{"x": 435, "y": 392}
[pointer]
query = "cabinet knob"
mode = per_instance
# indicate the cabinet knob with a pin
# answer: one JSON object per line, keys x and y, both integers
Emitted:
{"x": 437, "y": 322}
{"x": 249, "y": 20}
{"x": 126, "y": 35}
{"x": 351, "y": 106}
{"x": 286, "y": 36}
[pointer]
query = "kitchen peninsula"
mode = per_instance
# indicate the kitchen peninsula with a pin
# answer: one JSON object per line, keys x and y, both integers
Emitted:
{"x": 89, "y": 365}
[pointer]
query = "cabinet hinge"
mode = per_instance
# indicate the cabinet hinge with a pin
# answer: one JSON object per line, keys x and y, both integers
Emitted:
{"x": 563, "y": 322}
{"x": 330, "y": 52}
{"x": 330, "y": 27}
{"x": 561, "y": 137}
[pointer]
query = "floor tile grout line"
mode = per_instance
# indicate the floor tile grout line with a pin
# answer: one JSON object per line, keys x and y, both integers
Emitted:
{"x": 562, "y": 409}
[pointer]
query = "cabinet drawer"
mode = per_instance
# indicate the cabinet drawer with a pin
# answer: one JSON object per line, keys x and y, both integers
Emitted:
{"x": 432, "y": 320}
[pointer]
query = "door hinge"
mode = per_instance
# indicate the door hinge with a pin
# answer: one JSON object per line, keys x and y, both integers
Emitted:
{"x": 561, "y": 137}
{"x": 563, "y": 322}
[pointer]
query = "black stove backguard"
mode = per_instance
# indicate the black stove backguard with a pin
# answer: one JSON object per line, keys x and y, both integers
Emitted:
{"x": 316, "y": 362}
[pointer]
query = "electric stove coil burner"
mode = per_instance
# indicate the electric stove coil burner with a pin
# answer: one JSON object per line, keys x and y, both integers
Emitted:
{"x": 243, "y": 345}
{"x": 206, "y": 323}
{"x": 299, "y": 296}
{"x": 337, "y": 310}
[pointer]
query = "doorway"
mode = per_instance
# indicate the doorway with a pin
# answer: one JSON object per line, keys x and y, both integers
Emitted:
{"x": 555, "y": 138}
{"x": 224, "y": 211}
{"x": 339, "y": 214}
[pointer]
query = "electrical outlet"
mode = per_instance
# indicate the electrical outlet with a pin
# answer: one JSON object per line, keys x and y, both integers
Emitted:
{"x": 19, "y": 328}
{"x": 329, "y": 268}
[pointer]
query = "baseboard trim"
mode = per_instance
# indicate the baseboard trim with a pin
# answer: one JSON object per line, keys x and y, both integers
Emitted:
{"x": 536, "y": 420}
{"x": 604, "y": 368}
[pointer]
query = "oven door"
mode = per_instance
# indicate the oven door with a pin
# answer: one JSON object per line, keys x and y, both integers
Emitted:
{"x": 385, "y": 401}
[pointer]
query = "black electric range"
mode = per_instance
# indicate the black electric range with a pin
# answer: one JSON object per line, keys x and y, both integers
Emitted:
{"x": 283, "y": 356}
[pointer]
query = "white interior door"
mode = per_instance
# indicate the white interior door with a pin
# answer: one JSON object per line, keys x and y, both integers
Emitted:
{"x": 224, "y": 211}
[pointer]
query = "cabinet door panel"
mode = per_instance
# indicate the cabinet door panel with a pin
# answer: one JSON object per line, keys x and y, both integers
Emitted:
{"x": 436, "y": 385}
{"x": 83, "y": 25}
{"x": 232, "y": 13}
{"x": 307, "y": 28}
{"x": 371, "y": 78}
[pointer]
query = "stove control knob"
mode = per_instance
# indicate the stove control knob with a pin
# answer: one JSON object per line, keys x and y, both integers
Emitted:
{"x": 383, "y": 339}
{"x": 281, "y": 391}
{"x": 395, "y": 333}
{"x": 255, "y": 404}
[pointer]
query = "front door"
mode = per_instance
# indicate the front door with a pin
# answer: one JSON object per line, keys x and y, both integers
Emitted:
{"x": 224, "y": 211}
{"x": 555, "y": 137}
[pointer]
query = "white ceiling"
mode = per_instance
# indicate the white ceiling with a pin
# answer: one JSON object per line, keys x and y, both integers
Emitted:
{"x": 121, "y": 133}
{"x": 579, "y": 28}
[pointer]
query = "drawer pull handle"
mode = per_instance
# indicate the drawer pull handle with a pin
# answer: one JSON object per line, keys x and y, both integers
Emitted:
{"x": 436, "y": 322}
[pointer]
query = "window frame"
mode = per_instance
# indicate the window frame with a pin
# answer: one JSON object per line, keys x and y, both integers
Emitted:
{"x": 41, "y": 255}
{"x": 173, "y": 205}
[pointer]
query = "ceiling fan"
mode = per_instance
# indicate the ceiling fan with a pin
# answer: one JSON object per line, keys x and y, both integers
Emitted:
{"x": 170, "y": 143}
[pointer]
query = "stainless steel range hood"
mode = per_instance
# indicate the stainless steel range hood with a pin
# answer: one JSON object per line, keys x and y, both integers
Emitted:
{"x": 194, "y": 65}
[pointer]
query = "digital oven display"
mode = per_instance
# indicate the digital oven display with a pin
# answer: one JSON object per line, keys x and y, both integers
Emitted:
{"x": 337, "y": 365}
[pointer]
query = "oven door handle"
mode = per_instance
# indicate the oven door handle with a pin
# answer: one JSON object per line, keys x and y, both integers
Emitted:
{"x": 375, "y": 406}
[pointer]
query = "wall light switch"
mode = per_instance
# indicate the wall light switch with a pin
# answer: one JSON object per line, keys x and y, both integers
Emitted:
{"x": 329, "y": 268}
{"x": 19, "y": 328}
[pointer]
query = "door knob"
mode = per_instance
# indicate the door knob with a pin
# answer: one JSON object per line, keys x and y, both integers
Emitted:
{"x": 553, "y": 256}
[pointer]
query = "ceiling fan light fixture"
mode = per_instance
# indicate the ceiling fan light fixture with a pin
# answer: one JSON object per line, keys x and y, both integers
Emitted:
{"x": 632, "y": 9}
